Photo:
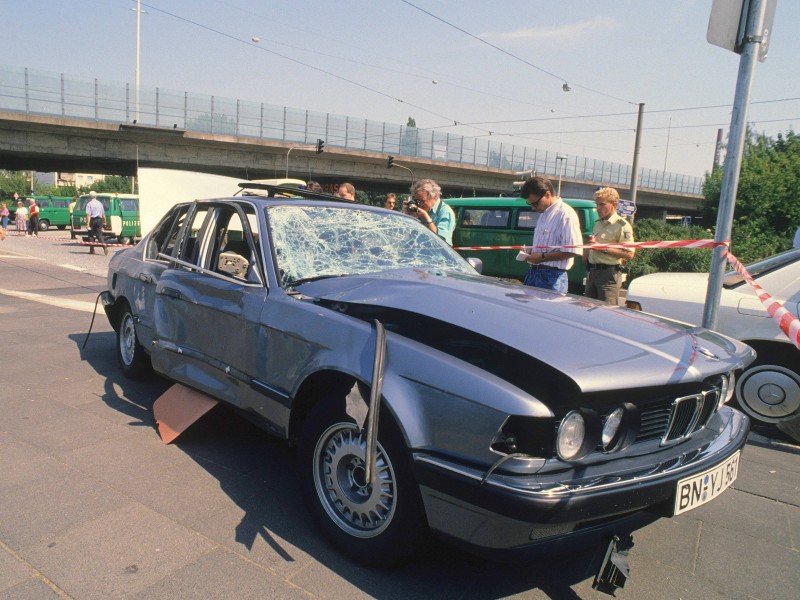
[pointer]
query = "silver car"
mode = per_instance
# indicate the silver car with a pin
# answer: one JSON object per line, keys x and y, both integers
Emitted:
{"x": 421, "y": 396}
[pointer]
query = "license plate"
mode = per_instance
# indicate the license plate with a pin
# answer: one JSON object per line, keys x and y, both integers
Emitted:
{"x": 698, "y": 489}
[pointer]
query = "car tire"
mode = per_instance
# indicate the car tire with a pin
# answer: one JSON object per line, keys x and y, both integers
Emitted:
{"x": 769, "y": 389}
{"x": 44, "y": 225}
{"x": 378, "y": 527}
{"x": 126, "y": 240}
{"x": 132, "y": 358}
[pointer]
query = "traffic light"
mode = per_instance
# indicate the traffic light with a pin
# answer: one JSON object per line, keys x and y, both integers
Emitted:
{"x": 390, "y": 162}
{"x": 320, "y": 146}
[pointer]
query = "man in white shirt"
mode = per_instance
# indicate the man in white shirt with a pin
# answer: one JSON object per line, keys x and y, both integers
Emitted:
{"x": 95, "y": 219}
{"x": 557, "y": 238}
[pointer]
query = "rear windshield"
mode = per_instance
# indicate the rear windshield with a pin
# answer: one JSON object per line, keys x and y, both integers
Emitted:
{"x": 84, "y": 200}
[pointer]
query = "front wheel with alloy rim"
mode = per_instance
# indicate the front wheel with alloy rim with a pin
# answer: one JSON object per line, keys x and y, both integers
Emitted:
{"x": 133, "y": 360}
{"x": 769, "y": 391}
{"x": 379, "y": 524}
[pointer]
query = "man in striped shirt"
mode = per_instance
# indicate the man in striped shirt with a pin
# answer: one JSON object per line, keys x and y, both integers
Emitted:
{"x": 557, "y": 238}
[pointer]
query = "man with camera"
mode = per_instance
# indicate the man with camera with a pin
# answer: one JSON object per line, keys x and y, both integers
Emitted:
{"x": 426, "y": 204}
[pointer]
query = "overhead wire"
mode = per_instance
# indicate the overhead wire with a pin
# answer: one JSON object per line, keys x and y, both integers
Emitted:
{"x": 456, "y": 122}
{"x": 514, "y": 56}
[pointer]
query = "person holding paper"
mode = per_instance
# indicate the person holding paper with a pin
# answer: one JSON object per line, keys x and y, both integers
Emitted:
{"x": 557, "y": 239}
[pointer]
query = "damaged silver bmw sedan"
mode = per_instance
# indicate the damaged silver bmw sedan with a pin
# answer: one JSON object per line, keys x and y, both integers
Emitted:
{"x": 421, "y": 396}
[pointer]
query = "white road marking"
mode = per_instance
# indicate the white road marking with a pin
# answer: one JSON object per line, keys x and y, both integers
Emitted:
{"x": 52, "y": 301}
{"x": 73, "y": 267}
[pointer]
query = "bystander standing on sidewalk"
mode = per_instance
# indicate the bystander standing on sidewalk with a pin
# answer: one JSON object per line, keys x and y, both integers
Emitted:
{"x": 33, "y": 218}
{"x": 21, "y": 219}
{"x": 4, "y": 220}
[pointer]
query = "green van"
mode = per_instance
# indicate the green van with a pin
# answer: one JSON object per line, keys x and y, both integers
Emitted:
{"x": 510, "y": 222}
{"x": 122, "y": 217}
{"x": 53, "y": 211}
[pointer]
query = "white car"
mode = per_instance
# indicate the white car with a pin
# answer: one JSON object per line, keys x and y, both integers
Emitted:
{"x": 769, "y": 390}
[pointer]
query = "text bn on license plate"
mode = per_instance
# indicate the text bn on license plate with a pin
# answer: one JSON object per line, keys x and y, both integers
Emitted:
{"x": 699, "y": 489}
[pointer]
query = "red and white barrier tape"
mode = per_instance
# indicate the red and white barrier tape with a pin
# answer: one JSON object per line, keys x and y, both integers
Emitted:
{"x": 789, "y": 324}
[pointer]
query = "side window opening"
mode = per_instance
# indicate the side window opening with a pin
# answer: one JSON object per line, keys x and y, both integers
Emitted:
{"x": 163, "y": 241}
{"x": 232, "y": 247}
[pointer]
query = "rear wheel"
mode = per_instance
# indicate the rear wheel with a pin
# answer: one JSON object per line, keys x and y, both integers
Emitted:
{"x": 381, "y": 524}
{"x": 769, "y": 390}
{"x": 133, "y": 360}
{"x": 127, "y": 240}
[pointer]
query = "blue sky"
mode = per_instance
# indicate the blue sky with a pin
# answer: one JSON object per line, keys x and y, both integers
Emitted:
{"x": 490, "y": 66}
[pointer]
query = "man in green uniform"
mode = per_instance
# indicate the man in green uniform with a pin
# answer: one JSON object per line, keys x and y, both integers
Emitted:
{"x": 604, "y": 271}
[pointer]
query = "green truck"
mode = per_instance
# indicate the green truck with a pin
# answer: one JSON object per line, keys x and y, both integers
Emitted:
{"x": 510, "y": 221}
{"x": 122, "y": 217}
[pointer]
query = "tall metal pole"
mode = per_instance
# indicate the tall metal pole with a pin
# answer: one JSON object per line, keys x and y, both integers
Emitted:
{"x": 138, "y": 31}
{"x": 635, "y": 167}
{"x": 560, "y": 158}
{"x": 733, "y": 160}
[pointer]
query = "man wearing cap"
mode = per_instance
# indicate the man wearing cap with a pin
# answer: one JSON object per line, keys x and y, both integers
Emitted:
{"x": 557, "y": 237}
{"x": 604, "y": 271}
{"x": 96, "y": 219}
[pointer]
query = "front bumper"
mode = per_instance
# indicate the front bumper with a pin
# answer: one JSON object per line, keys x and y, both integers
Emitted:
{"x": 509, "y": 513}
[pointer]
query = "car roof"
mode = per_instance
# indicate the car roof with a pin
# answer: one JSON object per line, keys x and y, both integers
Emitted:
{"x": 268, "y": 190}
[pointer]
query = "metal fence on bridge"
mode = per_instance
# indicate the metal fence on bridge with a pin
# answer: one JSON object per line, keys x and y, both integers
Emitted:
{"x": 55, "y": 94}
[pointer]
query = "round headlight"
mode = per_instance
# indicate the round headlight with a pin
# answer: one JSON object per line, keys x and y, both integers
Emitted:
{"x": 611, "y": 429}
{"x": 571, "y": 435}
{"x": 578, "y": 434}
{"x": 726, "y": 389}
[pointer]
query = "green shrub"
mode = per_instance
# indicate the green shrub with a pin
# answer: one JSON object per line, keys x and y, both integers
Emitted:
{"x": 653, "y": 260}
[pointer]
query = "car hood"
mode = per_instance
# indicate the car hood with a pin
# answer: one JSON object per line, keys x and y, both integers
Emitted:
{"x": 695, "y": 282}
{"x": 598, "y": 346}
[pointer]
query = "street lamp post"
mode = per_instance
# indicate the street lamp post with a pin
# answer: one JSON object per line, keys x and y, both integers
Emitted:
{"x": 138, "y": 10}
{"x": 560, "y": 158}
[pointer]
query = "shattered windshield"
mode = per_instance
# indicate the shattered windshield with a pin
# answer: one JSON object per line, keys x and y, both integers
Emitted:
{"x": 312, "y": 242}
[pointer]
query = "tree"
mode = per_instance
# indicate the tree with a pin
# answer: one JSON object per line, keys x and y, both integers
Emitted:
{"x": 767, "y": 211}
{"x": 115, "y": 184}
{"x": 14, "y": 181}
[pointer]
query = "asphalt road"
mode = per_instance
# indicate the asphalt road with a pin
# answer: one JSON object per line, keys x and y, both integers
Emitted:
{"x": 93, "y": 505}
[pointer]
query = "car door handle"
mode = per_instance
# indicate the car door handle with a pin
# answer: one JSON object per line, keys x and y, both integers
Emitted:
{"x": 145, "y": 277}
{"x": 172, "y": 293}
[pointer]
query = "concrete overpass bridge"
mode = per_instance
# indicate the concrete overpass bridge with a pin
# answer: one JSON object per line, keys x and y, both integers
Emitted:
{"x": 49, "y": 122}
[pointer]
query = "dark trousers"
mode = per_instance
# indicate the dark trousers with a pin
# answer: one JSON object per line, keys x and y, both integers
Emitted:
{"x": 96, "y": 229}
{"x": 33, "y": 226}
{"x": 603, "y": 284}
